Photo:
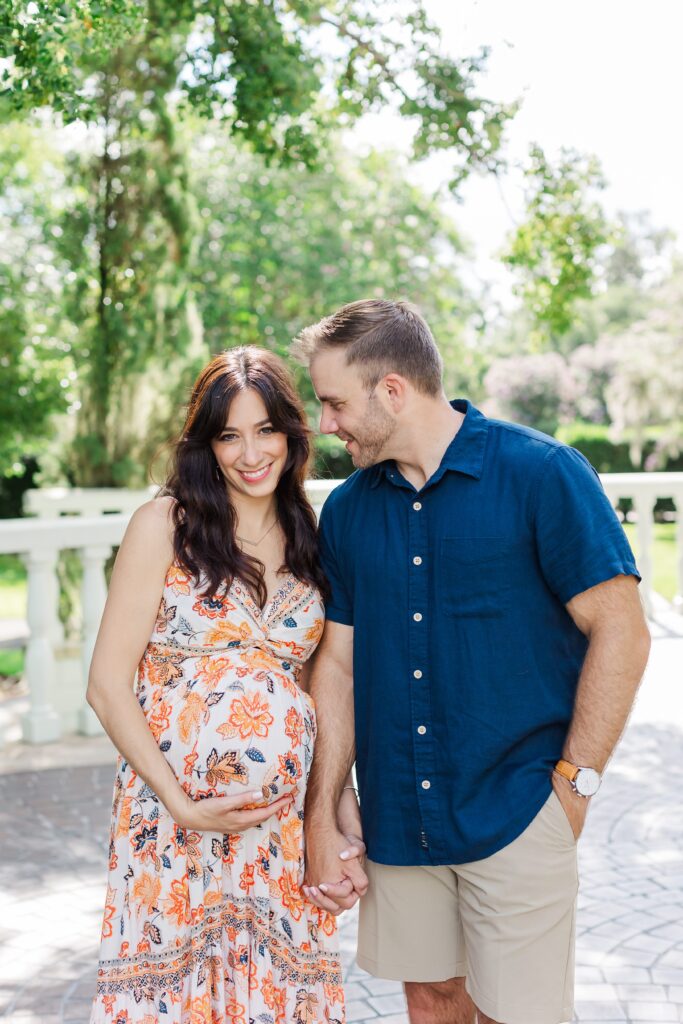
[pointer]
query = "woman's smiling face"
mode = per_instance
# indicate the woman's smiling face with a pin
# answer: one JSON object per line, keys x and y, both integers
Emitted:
{"x": 250, "y": 453}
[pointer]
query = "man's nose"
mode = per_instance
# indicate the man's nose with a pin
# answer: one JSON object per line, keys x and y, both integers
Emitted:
{"x": 328, "y": 424}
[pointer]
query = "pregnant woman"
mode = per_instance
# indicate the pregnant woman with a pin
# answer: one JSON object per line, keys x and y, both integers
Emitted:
{"x": 216, "y": 603}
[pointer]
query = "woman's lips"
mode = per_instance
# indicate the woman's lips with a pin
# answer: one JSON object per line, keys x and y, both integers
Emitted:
{"x": 256, "y": 476}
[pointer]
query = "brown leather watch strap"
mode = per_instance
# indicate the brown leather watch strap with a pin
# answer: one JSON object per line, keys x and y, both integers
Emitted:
{"x": 567, "y": 769}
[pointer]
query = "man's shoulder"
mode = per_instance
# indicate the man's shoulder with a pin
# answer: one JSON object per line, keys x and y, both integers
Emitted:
{"x": 535, "y": 454}
{"x": 526, "y": 444}
{"x": 348, "y": 492}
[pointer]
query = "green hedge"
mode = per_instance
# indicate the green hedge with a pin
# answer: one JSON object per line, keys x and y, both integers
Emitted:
{"x": 607, "y": 456}
{"x": 331, "y": 461}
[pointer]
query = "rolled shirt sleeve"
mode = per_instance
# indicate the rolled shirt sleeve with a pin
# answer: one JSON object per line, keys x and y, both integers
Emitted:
{"x": 580, "y": 541}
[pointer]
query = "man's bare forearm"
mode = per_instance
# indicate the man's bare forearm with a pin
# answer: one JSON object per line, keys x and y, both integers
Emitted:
{"x": 619, "y": 644}
{"x": 332, "y": 692}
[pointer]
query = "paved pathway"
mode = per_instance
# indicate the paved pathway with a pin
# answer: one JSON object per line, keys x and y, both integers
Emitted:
{"x": 53, "y": 829}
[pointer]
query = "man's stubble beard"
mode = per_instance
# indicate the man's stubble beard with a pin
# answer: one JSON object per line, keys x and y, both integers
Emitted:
{"x": 375, "y": 430}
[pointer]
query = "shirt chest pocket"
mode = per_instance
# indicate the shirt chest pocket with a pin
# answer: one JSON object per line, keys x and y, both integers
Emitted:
{"x": 476, "y": 576}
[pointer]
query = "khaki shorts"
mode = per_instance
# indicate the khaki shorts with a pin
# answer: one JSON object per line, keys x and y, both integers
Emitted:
{"x": 505, "y": 923}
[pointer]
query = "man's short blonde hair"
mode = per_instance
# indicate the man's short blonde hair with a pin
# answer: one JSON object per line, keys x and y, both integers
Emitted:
{"x": 379, "y": 337}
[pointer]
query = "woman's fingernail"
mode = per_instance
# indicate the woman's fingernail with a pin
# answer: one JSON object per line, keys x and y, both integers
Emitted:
{"x": 344, "y": 855}
{"x": 323, "y": 887}
{"x": 257, "y": 795}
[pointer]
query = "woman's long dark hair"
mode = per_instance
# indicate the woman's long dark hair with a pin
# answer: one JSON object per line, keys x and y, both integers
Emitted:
{"x": 204, "y": 518}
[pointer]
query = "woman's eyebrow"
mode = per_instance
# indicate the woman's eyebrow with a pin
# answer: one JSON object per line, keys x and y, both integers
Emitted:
{"x": 261, "y": 423}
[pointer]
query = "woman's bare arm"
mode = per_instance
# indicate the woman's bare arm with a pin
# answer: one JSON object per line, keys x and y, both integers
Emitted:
{"x": 134, "y": 596}
{"x": 135, "y": 592}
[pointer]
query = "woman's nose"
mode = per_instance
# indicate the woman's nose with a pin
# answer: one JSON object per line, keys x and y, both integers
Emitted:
{"x": 250, "y": 453}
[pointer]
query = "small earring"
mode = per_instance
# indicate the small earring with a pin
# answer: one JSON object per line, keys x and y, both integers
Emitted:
{"x": 218, "y": 473}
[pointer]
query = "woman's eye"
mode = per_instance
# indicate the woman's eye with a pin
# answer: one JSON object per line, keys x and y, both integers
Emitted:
{"x": 227, "y": 437}
{"x": 267, "y": 430}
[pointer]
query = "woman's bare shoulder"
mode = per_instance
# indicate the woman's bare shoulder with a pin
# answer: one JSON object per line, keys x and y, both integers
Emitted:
{"x": 152, "y": 523}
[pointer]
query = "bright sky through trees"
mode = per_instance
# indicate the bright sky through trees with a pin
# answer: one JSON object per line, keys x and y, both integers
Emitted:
{"x": 600, "y": 76}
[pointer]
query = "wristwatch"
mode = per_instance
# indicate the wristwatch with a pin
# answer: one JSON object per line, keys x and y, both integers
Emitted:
{"x": 585, "y": 781}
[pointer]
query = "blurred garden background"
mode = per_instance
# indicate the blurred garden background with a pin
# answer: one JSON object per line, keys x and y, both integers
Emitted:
{"x": 179, "y": 178}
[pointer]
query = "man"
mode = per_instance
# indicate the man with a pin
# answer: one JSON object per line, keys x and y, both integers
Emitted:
{"x": 485, "y": 634}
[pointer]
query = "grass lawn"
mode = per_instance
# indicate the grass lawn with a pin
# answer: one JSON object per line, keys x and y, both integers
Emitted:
{"x": 12, "y": 606}
{"x": 11, "y": 663}
{"x": 12, "y": 587}
{"x": 663, "y": 556}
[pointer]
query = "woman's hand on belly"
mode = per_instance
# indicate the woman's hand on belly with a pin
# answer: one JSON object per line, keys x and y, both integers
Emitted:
{"x": 228, "y": 813}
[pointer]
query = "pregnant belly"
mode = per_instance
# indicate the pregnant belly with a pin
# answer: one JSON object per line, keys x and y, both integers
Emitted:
{"x": 231, "y": 742}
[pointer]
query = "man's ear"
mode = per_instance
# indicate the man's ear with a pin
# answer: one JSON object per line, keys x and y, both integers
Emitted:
{"x": 393, "y": 390}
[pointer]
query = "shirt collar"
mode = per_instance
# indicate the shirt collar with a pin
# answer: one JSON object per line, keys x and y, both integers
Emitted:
{"x": 465, "y": 453}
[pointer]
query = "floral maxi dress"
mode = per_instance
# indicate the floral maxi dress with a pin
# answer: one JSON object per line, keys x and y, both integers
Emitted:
{"x": 199, "y": 927}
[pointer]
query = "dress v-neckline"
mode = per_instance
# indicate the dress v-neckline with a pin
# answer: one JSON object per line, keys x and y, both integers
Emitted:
{"x": 264, "y": 614}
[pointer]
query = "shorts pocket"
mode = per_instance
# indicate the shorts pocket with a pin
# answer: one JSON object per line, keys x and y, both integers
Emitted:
{"x": 477, "y": 578}
{"x": 561, "y": 815}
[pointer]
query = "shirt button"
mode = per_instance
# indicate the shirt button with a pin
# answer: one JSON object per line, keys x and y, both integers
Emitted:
{"x": 417, "y": 616}
{"x": 417, "y": 673}
{"x": 417, "y": 505}
{"x": 417, "y": 560}
{"x": 422, "y": 729}
{"x": 426, "y": 784}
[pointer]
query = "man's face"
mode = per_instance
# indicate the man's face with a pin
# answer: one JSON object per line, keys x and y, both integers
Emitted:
{"x": 349, "y": 411}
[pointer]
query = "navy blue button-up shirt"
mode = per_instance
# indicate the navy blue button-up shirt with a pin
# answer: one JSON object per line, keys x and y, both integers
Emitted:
{"x": 466, "y": 660}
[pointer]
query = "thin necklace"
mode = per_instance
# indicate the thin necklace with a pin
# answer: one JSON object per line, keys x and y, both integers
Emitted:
{"x": 255, "y": 543}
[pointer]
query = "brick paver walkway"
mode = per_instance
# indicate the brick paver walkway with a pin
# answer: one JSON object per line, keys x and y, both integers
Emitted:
{"x": 53, "y": 833}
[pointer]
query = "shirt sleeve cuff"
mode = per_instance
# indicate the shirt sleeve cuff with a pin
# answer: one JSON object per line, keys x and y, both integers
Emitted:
{"x": 577, "y": 585}
{"x": 341, "y": 615}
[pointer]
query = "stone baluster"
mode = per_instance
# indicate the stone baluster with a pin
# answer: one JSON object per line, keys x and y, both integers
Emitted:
{"x": 41, "y": 724}
{"x": 678, "y": 599}
{"x": 644, "y": 505}
{"x": 93, "y": 597}
{"x": 55, "y": 627}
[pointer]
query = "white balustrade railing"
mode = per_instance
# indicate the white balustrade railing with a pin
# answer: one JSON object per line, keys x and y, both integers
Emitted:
{"x": 53, "y": 502}
{"x": 74, "y": 520}
{"x": 645, "y": 490}
{"x": 39, "y": 542}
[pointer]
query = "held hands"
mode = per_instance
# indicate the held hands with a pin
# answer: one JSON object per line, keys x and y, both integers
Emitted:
{"x": 336, "y": 856}
{"x": 575, "y": 806}
{"x": 227, "y": 813}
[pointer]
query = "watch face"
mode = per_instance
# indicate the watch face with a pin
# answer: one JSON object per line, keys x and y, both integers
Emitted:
{"x": 587, "y": 781}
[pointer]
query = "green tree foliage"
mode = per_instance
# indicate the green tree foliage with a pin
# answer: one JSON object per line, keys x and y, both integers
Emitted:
{"x": 555, "y": 251}
{"x": 280, "y": 250}
{"x": 128, "y": 77}
{"x": 35, "y": 339}
{"x": 262, "y": 68}
{"x": 268, "y": 257}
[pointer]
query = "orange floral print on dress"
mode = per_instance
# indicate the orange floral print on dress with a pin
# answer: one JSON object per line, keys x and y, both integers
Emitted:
{"x": 178, "y": 581}
{"x": 294, "y": 726}
{"x": 146, "y": 892}
{"x": 191, "y": 717}
{"x": 250, "y": 716}
{"x": 205, "y": 927}
{"x": 291, "y": 893}
{"x": 291, "y": 839}
{"x": 211, "y": 670}
{"x": 177, "y": 903}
